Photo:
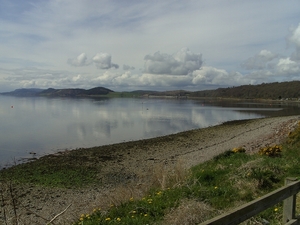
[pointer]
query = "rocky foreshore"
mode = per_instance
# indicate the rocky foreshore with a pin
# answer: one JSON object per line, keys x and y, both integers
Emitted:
{"x": 134, "y": 162}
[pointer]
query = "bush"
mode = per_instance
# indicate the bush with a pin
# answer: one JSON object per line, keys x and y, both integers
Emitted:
{"x": 271, "y": 151}
{"x": 239, "y": 150}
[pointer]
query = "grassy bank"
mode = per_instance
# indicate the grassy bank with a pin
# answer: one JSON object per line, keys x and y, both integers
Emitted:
{"x": 229, "y": 180}
{"x": 172, "y": 197}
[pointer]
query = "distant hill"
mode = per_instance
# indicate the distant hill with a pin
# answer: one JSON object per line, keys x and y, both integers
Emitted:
{"x": 75, "y": 92}
{"x": 51, "y": 92}
{"x": 276, "y": 90}
{"x": 24, "y": 92}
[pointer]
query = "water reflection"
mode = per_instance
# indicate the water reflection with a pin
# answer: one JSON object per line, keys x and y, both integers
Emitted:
{"x": 45, "y": 125}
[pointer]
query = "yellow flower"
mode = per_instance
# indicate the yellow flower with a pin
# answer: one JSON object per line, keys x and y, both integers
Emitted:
{"x": 216, "y": 187}
{"x": 118, "y": 219}
{"x": 276, "y": 209}
{"x": 146, "y": 214}
{"x": 131, "y": 199}
{"x": 107, "y": 219}
{"x": 81, "y": 219}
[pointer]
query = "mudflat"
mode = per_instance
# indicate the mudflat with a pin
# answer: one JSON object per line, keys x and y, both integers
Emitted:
{"x": 134, "y": 162}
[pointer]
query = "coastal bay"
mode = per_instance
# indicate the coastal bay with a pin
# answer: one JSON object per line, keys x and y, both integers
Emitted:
{"x": 133, "y": 163}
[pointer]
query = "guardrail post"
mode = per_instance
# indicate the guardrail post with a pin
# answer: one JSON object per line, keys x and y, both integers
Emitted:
{"x": 289, "y": 204}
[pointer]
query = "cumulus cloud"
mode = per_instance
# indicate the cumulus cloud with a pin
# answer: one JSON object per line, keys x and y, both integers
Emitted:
{"x": 287, "y": 67}
{"x": 80, "y": 60}
{"x": 259, "y": 61}
{"x": 103, "y": 61}
{"x": 181, "y": 63}
{"x": 294, "y": 39}
{"x": 214, "y": 76}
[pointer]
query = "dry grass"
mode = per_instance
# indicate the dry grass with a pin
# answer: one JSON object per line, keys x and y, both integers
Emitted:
{"x": 165, "y": 176}
{"x": 188, "y": 212}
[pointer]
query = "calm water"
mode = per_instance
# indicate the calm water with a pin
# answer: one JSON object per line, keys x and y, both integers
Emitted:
{"x": 46, "y": 125}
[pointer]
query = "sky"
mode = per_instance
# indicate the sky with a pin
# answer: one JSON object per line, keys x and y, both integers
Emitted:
{"x": 128, "y": 45}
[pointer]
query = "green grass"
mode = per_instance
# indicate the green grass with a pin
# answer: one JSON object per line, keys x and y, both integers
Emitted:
{"x": 224, "y": 182}
{"x": 228, "y": 180}
{"x": 53, "y": 172}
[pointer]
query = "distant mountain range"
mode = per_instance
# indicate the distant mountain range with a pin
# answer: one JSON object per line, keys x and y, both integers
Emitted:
{"x": 51, "y": 92}
{"x": 276, "y": 90}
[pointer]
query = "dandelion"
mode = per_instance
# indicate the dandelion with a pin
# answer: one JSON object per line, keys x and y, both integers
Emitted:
{"x": 118, "y": 219}
{"x": 145, "y": 214}
{"x": 276, "y": 209}
{"x": 216, "y": 187}
{"x": 107, "y": 219}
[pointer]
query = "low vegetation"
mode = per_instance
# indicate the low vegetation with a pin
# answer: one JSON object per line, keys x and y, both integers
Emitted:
{"x": 190, "y": 197}
{"x": 228, "y": 180}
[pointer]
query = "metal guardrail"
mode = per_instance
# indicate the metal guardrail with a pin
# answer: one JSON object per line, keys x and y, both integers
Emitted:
{"x": 287, "y": 194}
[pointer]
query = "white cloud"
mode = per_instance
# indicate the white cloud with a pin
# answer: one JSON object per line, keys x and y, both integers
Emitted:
{"x": 294, "y": 39}
{"x": 103, "y": 61}
{"x": 211, "y": 75}
{"x": 181, "y": 63}
{"x": 259, "y": 61}
{"x": 40, "y": 40}
{"x": 288, "y": 67}
{"x": 80, "y": 60}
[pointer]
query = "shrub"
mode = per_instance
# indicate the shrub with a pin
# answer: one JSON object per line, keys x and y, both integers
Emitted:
{"x": 239, "y": 150}
{"x": 271, "y": 151}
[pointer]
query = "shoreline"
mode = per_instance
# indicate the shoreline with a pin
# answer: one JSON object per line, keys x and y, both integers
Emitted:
{"x": 135, "y": 162}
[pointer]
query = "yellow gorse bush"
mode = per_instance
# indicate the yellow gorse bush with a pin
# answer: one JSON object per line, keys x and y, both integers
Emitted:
{"x": 239, "y": 149}
{"x": 272, "y": 151}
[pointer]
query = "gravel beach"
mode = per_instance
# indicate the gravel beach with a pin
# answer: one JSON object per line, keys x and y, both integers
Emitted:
{"x": 134, "y": 162}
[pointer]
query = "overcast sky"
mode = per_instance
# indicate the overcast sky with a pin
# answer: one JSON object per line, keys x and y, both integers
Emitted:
{"x": 148, "y": 44}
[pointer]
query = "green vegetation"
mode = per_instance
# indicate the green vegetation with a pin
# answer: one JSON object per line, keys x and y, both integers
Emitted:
{"x": 275, "y": 90}
{"x": 228, "y": 180}
{"x": 53, "y": 171}
{"x": 185, "y": 197}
